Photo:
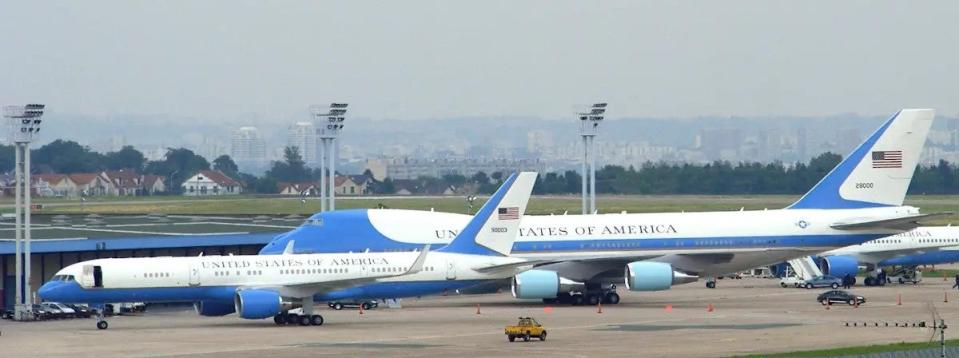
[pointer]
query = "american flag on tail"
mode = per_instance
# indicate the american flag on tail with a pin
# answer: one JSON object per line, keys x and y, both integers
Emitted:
{"x": 887, "y": 159}
{"x": 510, "y": 213}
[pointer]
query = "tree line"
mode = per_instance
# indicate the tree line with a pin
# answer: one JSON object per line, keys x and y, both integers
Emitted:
{"x": 719, "y": 178}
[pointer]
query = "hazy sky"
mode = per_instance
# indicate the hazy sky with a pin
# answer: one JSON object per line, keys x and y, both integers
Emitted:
{"x": 426, "y": 59}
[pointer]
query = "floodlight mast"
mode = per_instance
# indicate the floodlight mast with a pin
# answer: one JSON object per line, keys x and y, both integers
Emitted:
{"x": 328, "y": 132}
{"x": 24, "y": 123}
{"x": 589, "y": 124}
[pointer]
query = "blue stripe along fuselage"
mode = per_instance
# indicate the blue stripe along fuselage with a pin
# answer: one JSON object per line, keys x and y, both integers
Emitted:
{"x": 315, "y": 243}
{"x": 71, "y": 292}
{"x": 927, "y": 258}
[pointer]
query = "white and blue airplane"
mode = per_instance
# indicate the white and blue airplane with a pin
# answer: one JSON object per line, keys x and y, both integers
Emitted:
{"x": 582, "y": 258}
{"x": 263, "y": 286}
{"x": 922, "y": 246}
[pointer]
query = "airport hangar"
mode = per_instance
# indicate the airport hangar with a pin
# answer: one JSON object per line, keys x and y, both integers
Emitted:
{"x": 59, "y": 241}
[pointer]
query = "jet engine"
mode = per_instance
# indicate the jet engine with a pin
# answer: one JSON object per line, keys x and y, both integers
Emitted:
{"x": 258, "y": 304}
{"x": 839, "y": 266}
{"x": 653, "y": 276}
{"x": 543, "y": 284}
{"x": 213, "y": 308}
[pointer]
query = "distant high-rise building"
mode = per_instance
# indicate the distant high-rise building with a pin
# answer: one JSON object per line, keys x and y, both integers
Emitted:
{"x": 538, "y": 141}
{"x": 302, "y": 135}
{"x": 246, "y": 144}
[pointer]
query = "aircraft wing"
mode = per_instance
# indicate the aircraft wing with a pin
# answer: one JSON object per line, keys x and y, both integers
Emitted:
{"x": 513, "y": 265}
{"x": 312, "y": 288}
{"x": 900, "y": 223}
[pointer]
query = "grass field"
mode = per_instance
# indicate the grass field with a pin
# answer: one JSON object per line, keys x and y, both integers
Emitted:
{"x": 855, "y": 351}
{"x": 538, "y": 205}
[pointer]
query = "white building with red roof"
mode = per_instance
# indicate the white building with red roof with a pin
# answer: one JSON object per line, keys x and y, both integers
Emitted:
{"x": 211, "y": 182}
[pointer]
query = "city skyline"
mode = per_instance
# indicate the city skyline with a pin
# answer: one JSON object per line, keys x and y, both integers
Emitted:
{"x": 551, "y": 145}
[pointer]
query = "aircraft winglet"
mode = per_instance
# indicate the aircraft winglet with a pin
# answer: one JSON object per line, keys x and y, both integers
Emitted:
{"x": 417, "y": 265}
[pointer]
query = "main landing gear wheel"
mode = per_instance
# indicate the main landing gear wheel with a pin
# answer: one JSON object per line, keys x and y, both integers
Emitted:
{"x": 612, "y": 298}
{"x": 593, "y": 300}
{"x": 304, "y": 320}
{"x": 316, "y": 320}
{"x": 710, "y": 284}
{"x": 279, "y": 319}
{"x": 102, "y": 325}
{"x": 577, "y": 300}
{"x": 292, "y": 318}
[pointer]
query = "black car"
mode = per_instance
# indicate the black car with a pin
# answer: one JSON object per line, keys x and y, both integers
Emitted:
{"x": 7, "y": 314}
{"x": 82, "y": 311}
{"x": 833, "y": 296}
{"x": 352, "y": 304}
{"x": 41, "y": 313}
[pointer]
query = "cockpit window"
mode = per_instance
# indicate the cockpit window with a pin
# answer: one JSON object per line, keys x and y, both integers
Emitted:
{"x": 62, "y": 278}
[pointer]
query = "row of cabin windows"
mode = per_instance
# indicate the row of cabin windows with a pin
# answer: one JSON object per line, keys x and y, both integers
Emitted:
{"x": 631, "y": 244}
{"x": 314, "y": 270}
{"x": 886, "y": 241}
{"x": 939, "y": 240}
{"x": 156, "y": 274}
{"x": 248, "y": 273}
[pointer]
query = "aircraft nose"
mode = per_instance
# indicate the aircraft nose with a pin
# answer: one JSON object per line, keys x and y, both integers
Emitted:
{"x": 47, "y": 290}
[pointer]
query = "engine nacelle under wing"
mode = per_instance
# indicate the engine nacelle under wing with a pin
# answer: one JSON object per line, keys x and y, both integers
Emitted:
{"x": 653, "y": 276}
{"x": 839, "y": 266}
{"x": 214, "y": 308}
{"x": 536, "y": 284}
{"x": 258, "y": 304}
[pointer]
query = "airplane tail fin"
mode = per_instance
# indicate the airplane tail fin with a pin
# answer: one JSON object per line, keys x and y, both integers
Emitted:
{"x": 495, "y": 226}
{"x": 879, "y": 171}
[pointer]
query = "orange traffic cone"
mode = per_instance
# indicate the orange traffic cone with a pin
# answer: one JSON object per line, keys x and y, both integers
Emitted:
{"x": 828, "y": 304}
{"x": 477, "y": 308}
{"x": 548, "y": 309}
{"x": 669, "y": 308}
{"x": 856, "y": 304}
{"x": 599, "y": 307}
{"x": 710, "y": 308}
{"x": 361, "y": 308}
{"x": 899, "y": 300}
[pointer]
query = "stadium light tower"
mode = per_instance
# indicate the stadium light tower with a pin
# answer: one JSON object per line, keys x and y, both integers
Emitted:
{"x": 588, "y": 128}
{"x": 328, "y": 132}
{"x": 23, "y": 123}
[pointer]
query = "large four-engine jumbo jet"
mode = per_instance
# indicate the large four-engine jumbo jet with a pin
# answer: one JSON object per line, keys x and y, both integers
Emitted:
{"x": 258, "y": 286}
{"x": 859, "y": 200}
{"x": 921, "y": 246}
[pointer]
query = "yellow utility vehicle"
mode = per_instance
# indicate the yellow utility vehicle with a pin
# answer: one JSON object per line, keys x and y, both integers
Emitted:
{"x": 526, "y": 328}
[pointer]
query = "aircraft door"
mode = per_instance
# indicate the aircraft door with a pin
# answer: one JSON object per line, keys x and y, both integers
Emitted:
{"x": 450, "y": 270}
{"x": 194, "y": 275}
{"x": 92, "y": 276}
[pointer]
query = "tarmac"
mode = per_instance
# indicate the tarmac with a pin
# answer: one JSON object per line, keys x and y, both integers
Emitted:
{"x": 749, "y": 316}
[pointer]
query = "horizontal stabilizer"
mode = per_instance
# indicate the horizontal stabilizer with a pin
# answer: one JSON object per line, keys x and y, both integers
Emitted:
{"x": 904, "y": 223}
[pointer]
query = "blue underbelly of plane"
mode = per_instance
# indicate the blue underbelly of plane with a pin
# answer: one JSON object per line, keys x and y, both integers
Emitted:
{"x": 397, "y": 290}
{"x": 929, "y": 258}
{"x": 71, "y": 292}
